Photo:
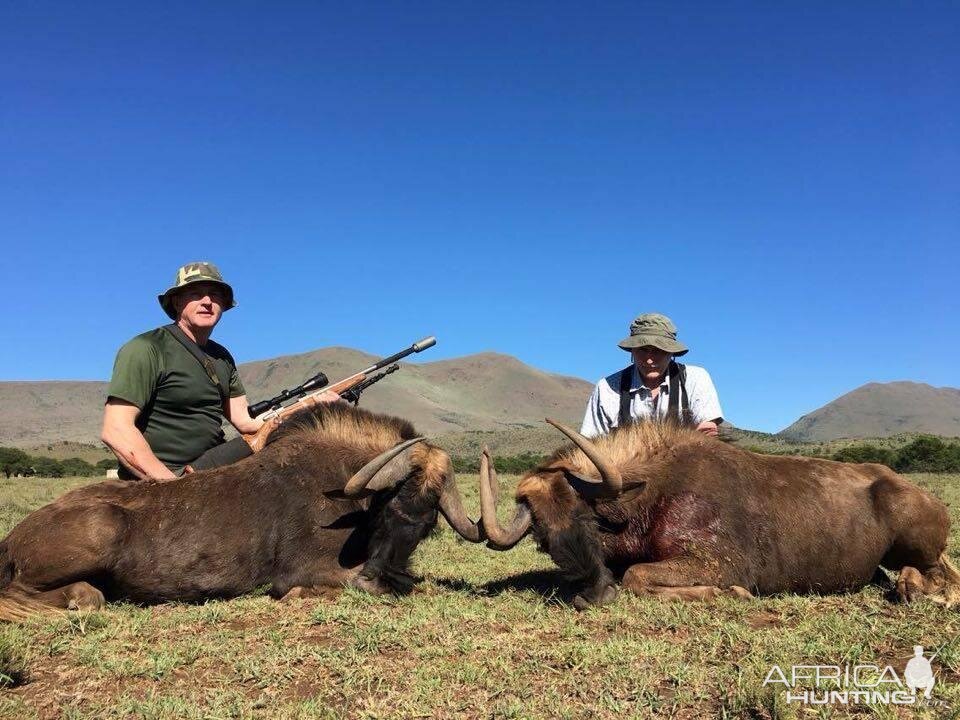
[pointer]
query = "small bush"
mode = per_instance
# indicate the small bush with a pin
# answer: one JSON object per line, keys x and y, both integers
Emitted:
{"x": 866, "y": 454}
{"x": 929, "y": 454}
{"x": 508, "y": 464}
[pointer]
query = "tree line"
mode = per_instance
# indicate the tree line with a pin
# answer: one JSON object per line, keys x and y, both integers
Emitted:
{"x": 927, "y": 453}
{"x": 14, "y": 461}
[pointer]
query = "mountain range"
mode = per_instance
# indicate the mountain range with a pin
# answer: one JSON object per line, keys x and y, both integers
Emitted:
{"x": 483, "y": 397}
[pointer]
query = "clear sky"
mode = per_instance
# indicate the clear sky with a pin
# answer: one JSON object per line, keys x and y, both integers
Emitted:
{"x": 783, "y": 179}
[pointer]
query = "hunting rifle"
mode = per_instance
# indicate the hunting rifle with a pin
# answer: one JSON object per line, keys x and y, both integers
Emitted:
{"x": 307, "y": 395}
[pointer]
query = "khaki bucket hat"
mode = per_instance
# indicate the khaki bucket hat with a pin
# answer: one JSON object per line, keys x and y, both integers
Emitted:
{"x": 193, "y": 273}
{"x": 656, "y": 330}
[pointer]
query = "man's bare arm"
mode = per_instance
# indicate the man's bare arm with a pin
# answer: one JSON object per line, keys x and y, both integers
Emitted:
{"x": 239, "y": 416}
{"x": 121, "y": 435}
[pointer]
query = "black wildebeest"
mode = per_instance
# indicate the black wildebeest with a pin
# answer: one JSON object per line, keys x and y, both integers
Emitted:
{"x": 341, "y": 497}
{"x": 684, "y": 516}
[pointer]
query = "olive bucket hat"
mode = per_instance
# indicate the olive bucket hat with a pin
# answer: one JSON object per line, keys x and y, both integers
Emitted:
{"x": 656, "y": 330}
{"x": 193, "y": 273}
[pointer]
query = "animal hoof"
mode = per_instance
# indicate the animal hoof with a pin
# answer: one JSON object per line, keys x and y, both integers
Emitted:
{"x": 295, "y": 593}
{"x": 606, "y": 595}
{"x": 909, "y": 585}
{"x": 370, "y": 585}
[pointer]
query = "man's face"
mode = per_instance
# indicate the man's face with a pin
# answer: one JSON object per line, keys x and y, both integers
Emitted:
{"x": 200, "y": 304}
{"x": 652, "y": 363}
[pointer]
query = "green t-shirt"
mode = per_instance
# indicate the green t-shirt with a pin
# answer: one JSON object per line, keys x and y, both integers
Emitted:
{"x": 181, "y": 414}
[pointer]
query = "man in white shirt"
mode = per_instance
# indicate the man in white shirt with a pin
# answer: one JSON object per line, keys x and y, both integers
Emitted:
{"x": 654, "y": 386}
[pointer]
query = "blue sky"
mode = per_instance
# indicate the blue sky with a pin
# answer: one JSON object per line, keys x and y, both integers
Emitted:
{"x": 783, "y": 179}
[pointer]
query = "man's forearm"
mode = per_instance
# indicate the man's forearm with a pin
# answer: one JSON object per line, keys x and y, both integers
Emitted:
{"x": 132, "y": 450}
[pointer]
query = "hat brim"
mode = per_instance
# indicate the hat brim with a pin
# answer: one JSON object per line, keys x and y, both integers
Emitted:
{"x": 166, "y": 299}
{"x": 666, "y": 344}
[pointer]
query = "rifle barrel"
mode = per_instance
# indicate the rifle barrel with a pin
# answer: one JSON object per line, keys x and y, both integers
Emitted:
{"x": 419, "y": 346}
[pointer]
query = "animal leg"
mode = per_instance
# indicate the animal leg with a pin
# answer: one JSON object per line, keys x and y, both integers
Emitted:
{"x": 678, "y": 579}
{"x": 75, "y": 596}
{"x": 50, "y": 548}
{"x": 301, "y": 592}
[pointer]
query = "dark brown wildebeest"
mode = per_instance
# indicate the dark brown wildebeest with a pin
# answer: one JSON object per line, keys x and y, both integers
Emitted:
{"x": 685, "y": 516}
{"x": 342, "y": 497}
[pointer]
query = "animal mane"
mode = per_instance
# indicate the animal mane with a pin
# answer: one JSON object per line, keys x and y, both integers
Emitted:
{"x": 344, "y": 424}
{"x": 633, "y": 444}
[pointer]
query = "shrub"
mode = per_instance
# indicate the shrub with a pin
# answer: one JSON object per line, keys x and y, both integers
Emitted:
{"x": 12, "y": 461}
{"x": 929, "y": 454}
{"x": 76, "y": 466}
{"x": 47, "y": 467}
{"x": 508, "y": 464}
{"x": 866, "y": 454}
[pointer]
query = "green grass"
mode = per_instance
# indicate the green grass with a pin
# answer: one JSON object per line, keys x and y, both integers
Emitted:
{"x": 485, "y": 635}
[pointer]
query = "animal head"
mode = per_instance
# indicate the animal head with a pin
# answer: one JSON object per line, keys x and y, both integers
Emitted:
{"x": 602, "y": 469}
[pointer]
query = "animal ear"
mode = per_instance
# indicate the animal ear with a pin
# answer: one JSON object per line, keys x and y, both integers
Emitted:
{"x": 591, "y": 488}
{"x": 587, "y": 487}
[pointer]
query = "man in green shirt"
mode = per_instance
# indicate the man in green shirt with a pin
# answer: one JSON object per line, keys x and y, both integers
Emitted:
{"x": 172, "y": 387}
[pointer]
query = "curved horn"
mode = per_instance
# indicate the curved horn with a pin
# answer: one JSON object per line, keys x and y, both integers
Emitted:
{"x": 451, "y": 505}
{"x": 363, "y": 478}
{"x": 500, "y": 538}
{"x": 609, "y": 474}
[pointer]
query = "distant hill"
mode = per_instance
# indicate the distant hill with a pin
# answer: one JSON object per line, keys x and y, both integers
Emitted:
{"x": 881, "y": 410}
{"x": 38, "y": 413}
{"x": 486, "y": 392}
{"x": 466, "y": 402}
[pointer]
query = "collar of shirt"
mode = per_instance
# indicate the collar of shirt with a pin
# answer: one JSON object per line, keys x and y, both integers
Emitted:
{"x": 638, "y": 387}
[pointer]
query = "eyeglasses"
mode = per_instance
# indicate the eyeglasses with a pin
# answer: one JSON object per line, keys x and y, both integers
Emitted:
{"x": 214, "y": 293}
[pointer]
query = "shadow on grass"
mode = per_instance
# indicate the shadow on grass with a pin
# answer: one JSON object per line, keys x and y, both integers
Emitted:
{"x": 548, "y": 584}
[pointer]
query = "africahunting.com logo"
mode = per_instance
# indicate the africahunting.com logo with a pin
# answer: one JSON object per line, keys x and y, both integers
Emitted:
{"x": 866, "y": 684}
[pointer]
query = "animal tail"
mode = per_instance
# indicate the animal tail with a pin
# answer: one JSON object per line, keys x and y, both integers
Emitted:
{"x": 16, "y": 605}
{"x": 949, "y": 593}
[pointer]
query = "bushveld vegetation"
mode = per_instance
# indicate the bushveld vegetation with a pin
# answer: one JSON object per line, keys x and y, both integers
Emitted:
{"x": 14, "y": 461}
{"x": 485, "y": 635}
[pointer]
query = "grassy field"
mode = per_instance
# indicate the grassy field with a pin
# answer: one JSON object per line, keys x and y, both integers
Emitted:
{"x": 485, "y": 635}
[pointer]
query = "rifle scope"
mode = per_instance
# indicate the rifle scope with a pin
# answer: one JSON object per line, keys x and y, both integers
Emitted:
{"x": 315, "y": 383}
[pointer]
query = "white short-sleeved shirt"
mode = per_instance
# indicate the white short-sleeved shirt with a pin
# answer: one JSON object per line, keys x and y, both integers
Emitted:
{"x": 603, "y": 409}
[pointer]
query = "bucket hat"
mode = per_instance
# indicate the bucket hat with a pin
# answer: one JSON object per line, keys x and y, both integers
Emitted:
{"x": 193, "y": 273}
{"x": 656, "y": 330}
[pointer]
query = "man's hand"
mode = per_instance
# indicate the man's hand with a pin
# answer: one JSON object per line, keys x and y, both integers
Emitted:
{"x": 328, "y": 396}
{"x": 708, "y": 427}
